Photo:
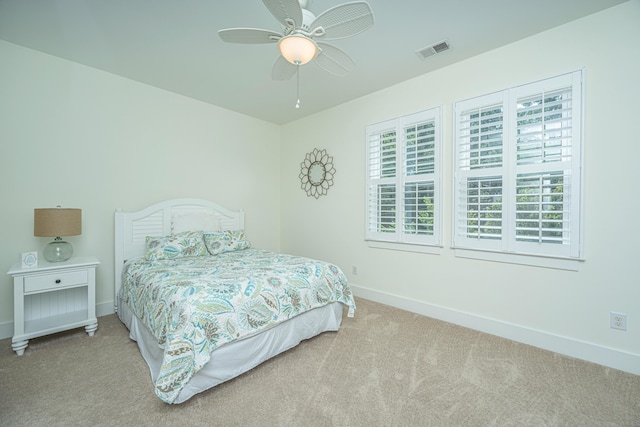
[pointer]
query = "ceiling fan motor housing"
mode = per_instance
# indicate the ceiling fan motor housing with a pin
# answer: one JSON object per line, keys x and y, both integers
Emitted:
{"x": 307, "y": 18}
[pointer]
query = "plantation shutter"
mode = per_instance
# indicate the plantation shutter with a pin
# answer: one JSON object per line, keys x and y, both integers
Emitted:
{"x": 403, "y": 179}
{"x": 547, "y": 159}
{"x": 518, "y": 169}
{"x": 480, "y": 150}
{"x": 382, "y": 160}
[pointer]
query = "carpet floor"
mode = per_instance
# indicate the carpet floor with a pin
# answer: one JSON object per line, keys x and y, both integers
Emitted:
{"x": 385, "y": 367}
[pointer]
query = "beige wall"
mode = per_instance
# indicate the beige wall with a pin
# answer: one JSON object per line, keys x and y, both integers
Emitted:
{"x": 78, "y": 137}
{"x": 552, "y": 308}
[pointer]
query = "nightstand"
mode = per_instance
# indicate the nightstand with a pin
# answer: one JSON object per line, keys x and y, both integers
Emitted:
{"x": 53, "y": 297}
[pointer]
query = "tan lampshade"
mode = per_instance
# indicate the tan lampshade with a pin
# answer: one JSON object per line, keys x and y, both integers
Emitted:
{"x": 57, "y": 222}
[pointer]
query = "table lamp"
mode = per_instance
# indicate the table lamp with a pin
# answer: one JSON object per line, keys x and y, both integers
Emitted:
{"x": 57, "y": 222}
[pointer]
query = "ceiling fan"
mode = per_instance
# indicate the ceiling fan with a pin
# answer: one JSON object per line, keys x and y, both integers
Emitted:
{"x": 302, "y": 35}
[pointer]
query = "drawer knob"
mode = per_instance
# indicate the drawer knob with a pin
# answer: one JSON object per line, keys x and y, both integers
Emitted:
{"x": 58, "y": 280}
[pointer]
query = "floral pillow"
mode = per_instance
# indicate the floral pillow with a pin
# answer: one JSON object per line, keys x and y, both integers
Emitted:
{"x": 226, "y": 241}
{"x": 178, "y": 245}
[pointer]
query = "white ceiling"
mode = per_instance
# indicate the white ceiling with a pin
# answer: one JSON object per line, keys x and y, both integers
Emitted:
{"x": 173, "y": 44}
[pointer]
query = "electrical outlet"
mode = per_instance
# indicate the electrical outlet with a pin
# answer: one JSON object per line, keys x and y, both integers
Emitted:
{"x": 354, "y": 270}
{"x": 618, "y": 321}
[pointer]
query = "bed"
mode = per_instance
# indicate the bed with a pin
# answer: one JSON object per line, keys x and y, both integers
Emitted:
{"x": 204, "y": 306}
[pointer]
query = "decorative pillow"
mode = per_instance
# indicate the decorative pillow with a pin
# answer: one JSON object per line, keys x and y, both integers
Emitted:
{"x": 175, "y": 246}
{"x": 197, "y": 221}
{"x": 226, "y": 241}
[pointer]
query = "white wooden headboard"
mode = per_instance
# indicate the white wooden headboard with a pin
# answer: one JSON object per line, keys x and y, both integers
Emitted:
{"x": 132, "y": 228}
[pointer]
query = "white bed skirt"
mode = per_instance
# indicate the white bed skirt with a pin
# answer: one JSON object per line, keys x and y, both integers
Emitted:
{"x": 235, "y": 358}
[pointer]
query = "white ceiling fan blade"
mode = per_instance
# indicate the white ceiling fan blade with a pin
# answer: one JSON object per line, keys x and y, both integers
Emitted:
{"x": 285, "y": 10}
{"x": 283, "y": 69}
{"x": 249, "y": 35}
{"x": 344, "y": 20}
{"x": 334, "y": 60}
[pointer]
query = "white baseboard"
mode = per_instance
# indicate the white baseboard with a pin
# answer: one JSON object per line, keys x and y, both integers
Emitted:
{"x": 102, "y": 309}
{"x": 624, "y": 361}
{"x": 105, "y": 309}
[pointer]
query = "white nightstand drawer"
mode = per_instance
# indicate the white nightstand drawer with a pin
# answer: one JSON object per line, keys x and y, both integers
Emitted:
{"x": 54, "y": 280}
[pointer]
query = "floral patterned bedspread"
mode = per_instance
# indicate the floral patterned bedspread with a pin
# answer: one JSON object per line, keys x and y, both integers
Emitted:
{"x": 193, "y": 305}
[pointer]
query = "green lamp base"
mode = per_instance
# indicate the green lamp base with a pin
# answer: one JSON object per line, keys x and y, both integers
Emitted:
{"x": 58, "y": 250}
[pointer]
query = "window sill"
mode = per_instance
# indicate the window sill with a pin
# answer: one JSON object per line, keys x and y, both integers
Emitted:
{"x": 531, "y": 260}
{"x": 406, "y": 247}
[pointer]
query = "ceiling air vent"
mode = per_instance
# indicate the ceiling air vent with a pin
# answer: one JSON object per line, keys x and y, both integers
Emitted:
{"x": 428, "y": 51}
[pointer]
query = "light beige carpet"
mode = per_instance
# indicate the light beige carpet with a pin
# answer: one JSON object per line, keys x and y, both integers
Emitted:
{"x": 385, "y": 367}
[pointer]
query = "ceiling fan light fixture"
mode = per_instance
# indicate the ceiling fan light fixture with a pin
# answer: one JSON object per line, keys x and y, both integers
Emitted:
{"x": 297, "y": 49}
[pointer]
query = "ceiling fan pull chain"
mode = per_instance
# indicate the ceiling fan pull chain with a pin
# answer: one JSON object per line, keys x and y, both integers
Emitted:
{"x": 298, "y": 83}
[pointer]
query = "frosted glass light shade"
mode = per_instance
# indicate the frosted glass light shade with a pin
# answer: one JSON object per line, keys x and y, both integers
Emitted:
{"x": 297, "y": 49}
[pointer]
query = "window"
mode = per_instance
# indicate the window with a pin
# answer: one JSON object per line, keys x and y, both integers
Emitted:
{"x": 518, "y": 170}
{"x": 403, "y": 182}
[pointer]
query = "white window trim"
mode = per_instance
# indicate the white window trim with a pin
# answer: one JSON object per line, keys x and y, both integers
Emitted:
{"x": 558, "y": 263}
{"x": 497, "y": 253}
{"x": 407, "y": 247}
{"x": 398, "y": 240}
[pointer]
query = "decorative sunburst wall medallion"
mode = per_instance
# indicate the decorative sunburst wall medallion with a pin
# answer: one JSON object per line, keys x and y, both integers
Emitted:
{"x": 316, "y": 173}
